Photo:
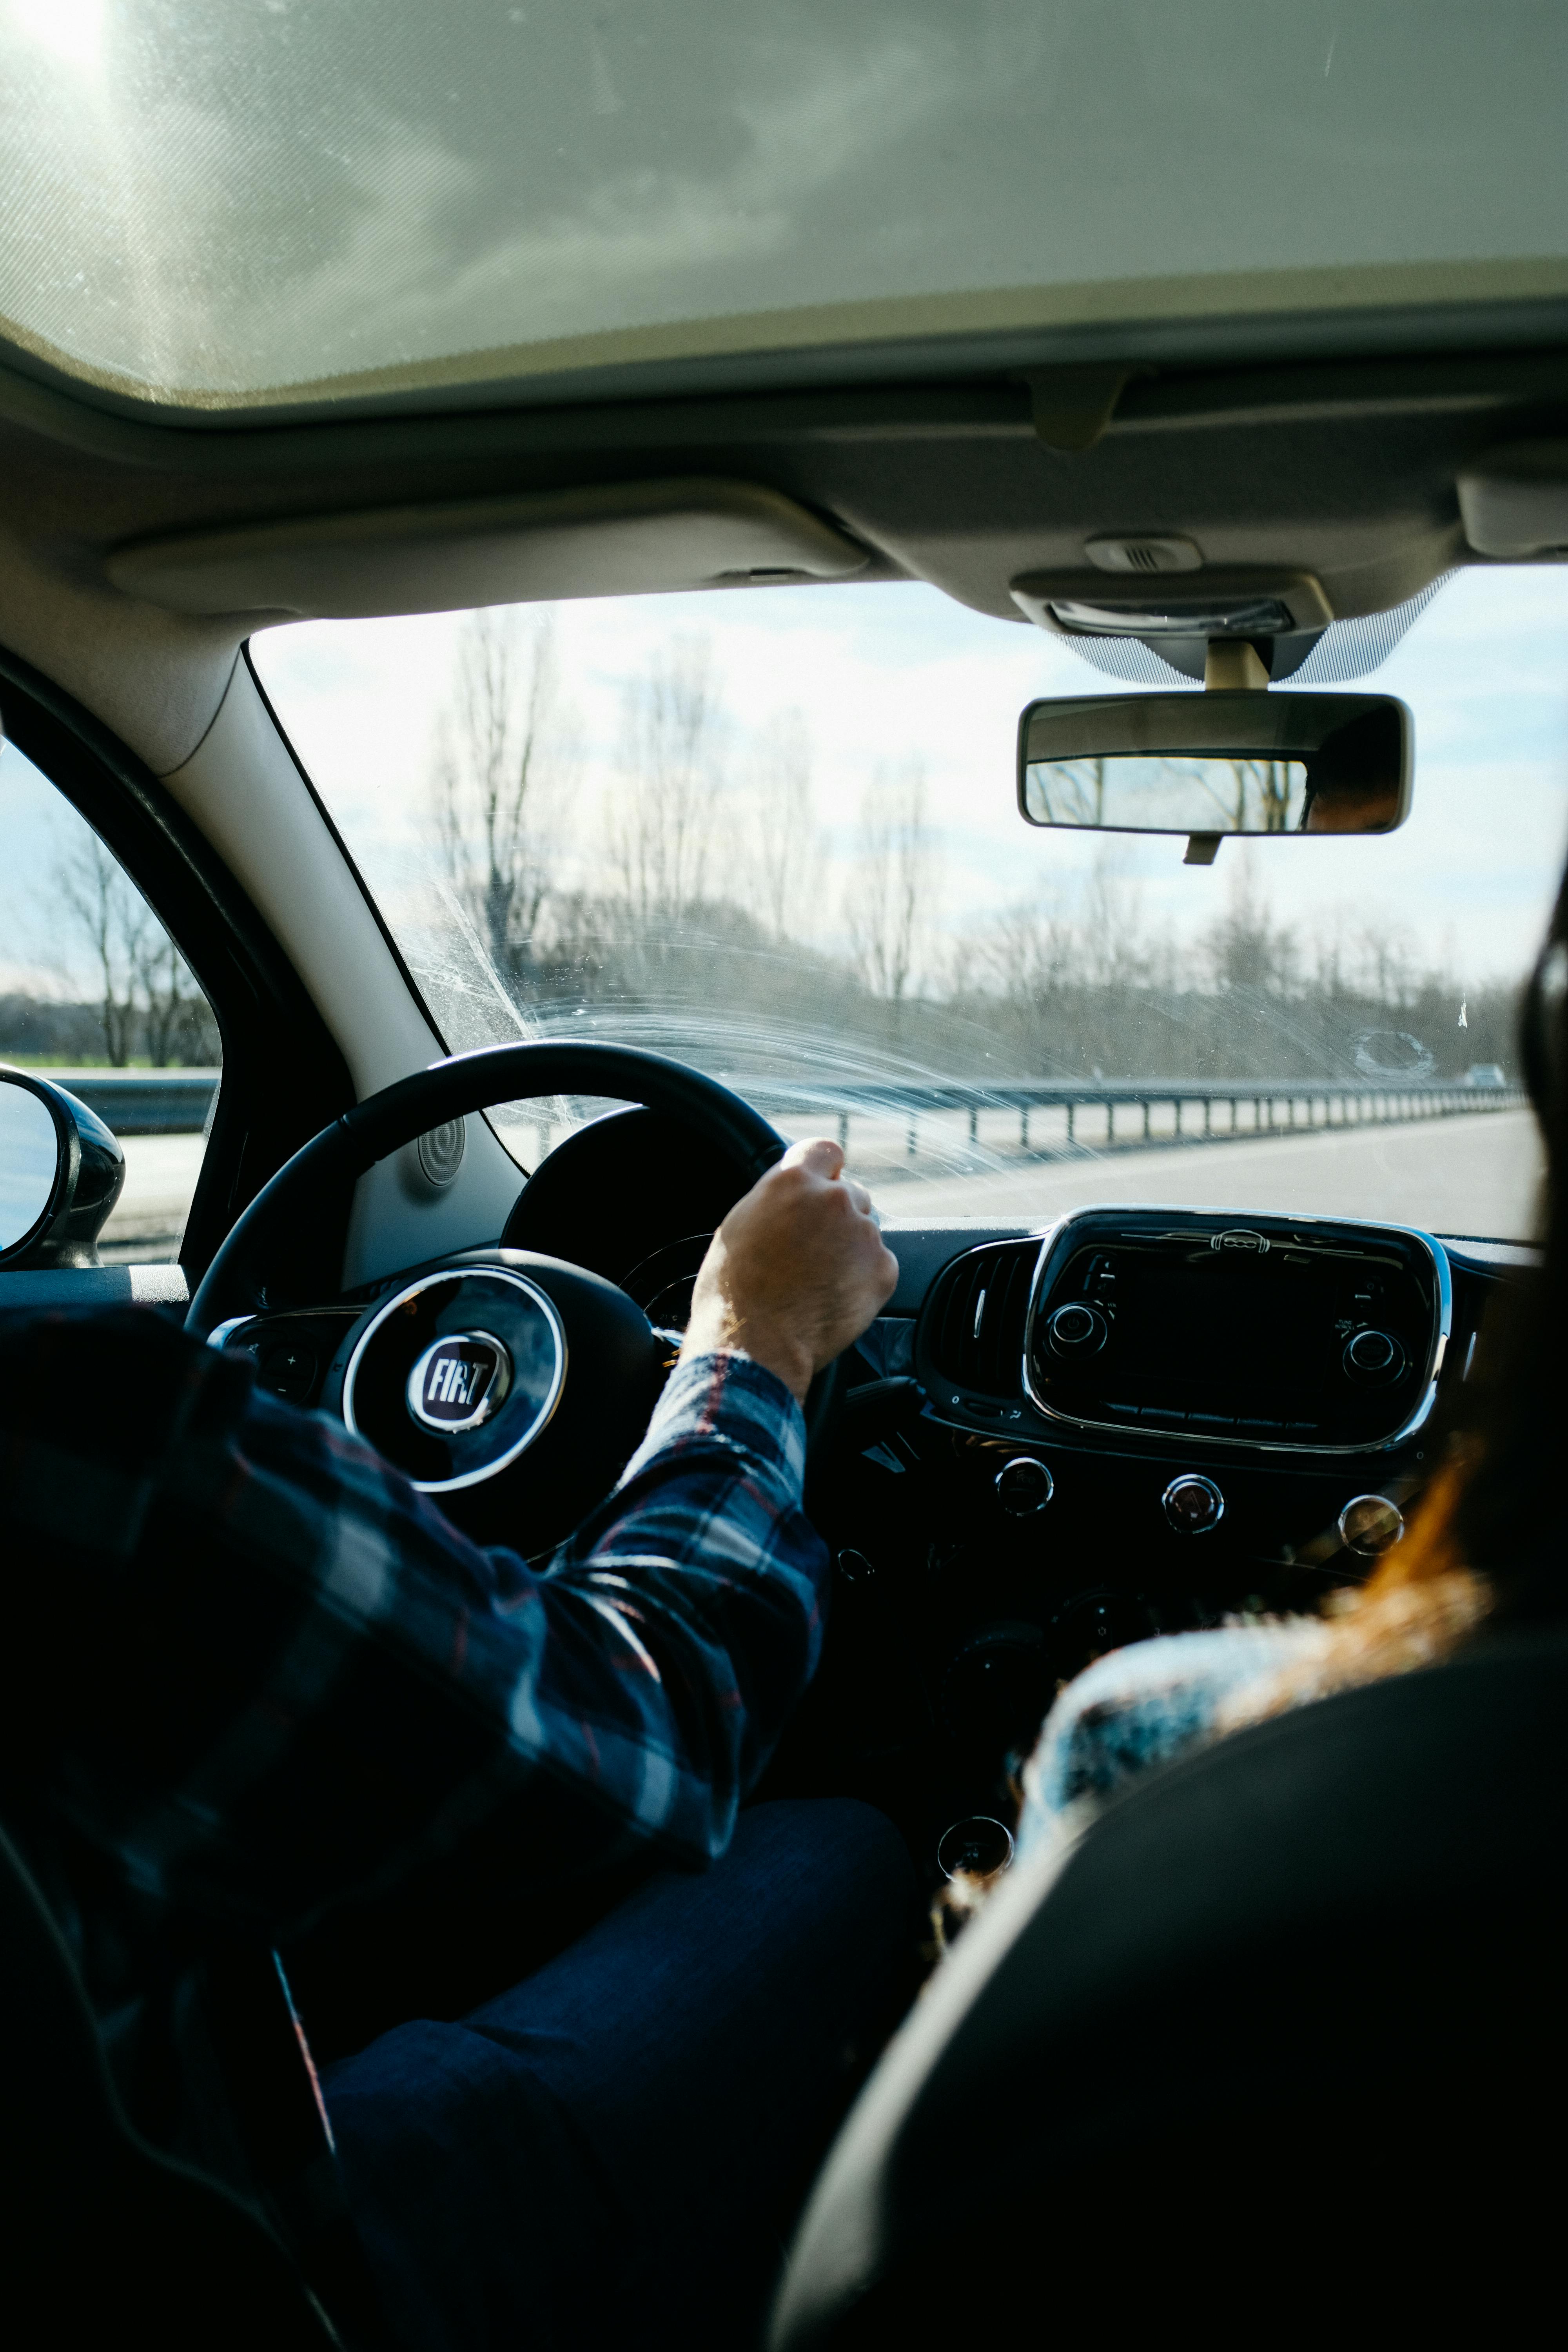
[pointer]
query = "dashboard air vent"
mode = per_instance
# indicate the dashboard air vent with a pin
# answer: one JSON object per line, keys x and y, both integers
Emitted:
{"x": 977, "y": 1318}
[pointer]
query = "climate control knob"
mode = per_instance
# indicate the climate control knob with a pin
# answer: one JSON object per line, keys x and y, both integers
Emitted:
{"x": 1370, "y": 1523}
{"x": 1076, "y": 1329}
{"x": 1372, "y": 1357}
{"x": 1193, "y": 1506}
{"x": 1023, "y": 1486}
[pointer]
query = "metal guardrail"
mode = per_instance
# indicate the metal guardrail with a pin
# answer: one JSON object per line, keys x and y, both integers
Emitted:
{"x": 176, "y": 1102}
{"x": 1201, "y": 1111}
{"x": 144, "y": 1102}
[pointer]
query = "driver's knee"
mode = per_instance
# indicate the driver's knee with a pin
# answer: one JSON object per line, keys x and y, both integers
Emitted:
{"x": 642, "y": 2112}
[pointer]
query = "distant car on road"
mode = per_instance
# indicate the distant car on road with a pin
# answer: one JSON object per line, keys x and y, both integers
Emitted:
{"x": 1485, "y": 1074}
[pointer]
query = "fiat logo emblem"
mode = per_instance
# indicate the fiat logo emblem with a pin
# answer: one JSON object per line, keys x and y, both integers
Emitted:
{"x": 458, "y": 1382}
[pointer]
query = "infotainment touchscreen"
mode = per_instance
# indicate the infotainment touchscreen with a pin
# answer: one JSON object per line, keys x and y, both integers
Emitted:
{"x": 1275, "y": 1332}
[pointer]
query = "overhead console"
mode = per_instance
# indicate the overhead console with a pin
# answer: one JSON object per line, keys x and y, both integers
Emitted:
{"x": 1293, "y": 1335}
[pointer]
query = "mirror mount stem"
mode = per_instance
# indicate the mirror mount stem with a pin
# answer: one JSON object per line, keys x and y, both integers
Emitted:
{"x": 1232, "y": 666}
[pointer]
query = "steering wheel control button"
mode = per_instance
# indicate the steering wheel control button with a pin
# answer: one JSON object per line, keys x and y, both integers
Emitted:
{"x": 1370, "y": 1523}
{"x": 1023, "y": 1486}
{"x": 1077, "y": 1329}
{"x": 289, "y": 1368}
{"x": 976, "y": 1847}
{"x": 457, "y": 1373}
{"x": 1373, "y": 1358}
{"x": 459, "y": 1381}
{"x": 1193, "y": 1506}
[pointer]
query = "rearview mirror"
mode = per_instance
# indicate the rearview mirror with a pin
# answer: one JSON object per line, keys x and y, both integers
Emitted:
{"x": 1212, "y": 764}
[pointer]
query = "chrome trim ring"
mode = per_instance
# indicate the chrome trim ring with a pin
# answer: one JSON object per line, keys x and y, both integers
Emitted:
{"x": 1034, "y": 1473}
{"x": 1192, "y": 1482}
{"x": 542, "y": 1413}
{"x": 1370, "y": 1525}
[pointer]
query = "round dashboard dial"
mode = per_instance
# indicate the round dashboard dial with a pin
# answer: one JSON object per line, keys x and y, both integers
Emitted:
{"x": 1374, "y": 1357}
{"x": 1193, "y": 1506}
{"x": 1369, "y": 1524}
{"x": 1023, "y": 1486}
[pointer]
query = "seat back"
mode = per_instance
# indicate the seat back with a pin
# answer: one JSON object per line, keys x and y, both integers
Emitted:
{"x": 1301, "y": 1995}
{"x": 102, "y": 2236}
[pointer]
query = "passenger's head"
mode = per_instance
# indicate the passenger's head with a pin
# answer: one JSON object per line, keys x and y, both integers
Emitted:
{"x": 1354, "y": 777}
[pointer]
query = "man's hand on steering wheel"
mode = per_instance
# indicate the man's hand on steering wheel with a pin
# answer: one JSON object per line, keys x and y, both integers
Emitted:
{"x": 561, "y": 1364}
{"x": 796, "y": 1272}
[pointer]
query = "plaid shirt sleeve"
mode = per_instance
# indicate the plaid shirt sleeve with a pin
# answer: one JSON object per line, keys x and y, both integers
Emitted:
{"x": 259, "y": 1671}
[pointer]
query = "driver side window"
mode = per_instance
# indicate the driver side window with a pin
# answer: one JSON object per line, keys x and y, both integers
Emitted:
{"x": 95, "y": 994}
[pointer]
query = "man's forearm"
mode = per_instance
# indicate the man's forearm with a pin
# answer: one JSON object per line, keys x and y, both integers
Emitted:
{"x": 704, "y": 1561}
{"x": 277, "y": 1672}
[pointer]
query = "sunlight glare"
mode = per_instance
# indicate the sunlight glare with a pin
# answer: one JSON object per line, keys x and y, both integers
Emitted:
{"x": 73, "y": 30}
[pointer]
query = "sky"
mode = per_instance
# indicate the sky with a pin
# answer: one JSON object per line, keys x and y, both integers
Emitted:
{"x": 890, "y": 673}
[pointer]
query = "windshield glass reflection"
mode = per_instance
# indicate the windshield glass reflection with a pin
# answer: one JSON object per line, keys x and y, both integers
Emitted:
{"x": 775, "y": 833}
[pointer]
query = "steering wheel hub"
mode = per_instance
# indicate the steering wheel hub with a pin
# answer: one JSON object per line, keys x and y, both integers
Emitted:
{"x": 456, "y": 1374}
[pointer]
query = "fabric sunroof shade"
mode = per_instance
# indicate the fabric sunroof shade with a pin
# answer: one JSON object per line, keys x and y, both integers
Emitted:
{"x": 241, "y": 204}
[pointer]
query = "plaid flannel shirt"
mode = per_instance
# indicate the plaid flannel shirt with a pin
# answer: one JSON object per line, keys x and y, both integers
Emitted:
{"x": 253, "y": 1670}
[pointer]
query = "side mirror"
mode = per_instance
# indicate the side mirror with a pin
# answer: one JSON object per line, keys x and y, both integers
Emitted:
{"x": 60, "y": 1175}
{"x": 1209, "y": 764}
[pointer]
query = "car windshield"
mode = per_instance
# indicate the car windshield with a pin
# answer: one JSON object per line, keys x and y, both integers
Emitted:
{"x": 774, "y": 832}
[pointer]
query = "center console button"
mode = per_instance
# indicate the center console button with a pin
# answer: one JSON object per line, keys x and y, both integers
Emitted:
{"x": 1369, "y": 1524}
{"x": 1193, "y": 1506}
{"x": 1076, "y": 1329}
{"x": 975, "y": 1847}
{"x": 1024, "y": 1485}
{"x": 1373, "y": 1356}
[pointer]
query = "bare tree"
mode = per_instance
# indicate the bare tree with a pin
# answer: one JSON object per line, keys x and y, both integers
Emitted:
{"x": 1262, "y": 794}
{"x": 504, "y": 749}
{"x": 1023, "y": 954}
{"x": 112, "y": 921}
{"x": 889, "y": 897}
{"x": 174, "y": 1013}
{"x": 1248, "y": 950}
{"x": 661, "y": 821}
{"x": 1113, "y": 938}
{"x": 1068, "y": 791}
{"x": 786, "y": 848}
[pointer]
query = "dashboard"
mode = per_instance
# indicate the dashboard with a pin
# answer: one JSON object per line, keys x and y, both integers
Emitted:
{"x": 1141, "y": 1421}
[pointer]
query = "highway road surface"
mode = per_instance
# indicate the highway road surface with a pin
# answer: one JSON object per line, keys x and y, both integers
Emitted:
{"x": 1460, "y": 1175}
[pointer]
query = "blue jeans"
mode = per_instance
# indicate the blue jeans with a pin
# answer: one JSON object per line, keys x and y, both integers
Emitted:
{"x": 609, "y": 2152}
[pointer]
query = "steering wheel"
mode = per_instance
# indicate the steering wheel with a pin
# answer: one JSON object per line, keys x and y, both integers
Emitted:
{"x": 499, "y": 1380}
